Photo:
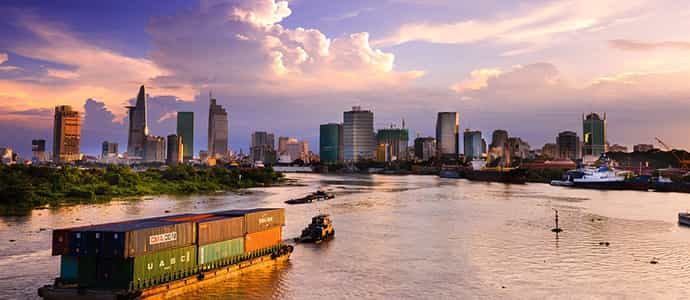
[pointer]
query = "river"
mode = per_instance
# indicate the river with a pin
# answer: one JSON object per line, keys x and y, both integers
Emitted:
{"x": 417, "y": 237}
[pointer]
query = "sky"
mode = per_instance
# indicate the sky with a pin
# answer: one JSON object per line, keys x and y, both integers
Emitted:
{"x": 532, "y": 67}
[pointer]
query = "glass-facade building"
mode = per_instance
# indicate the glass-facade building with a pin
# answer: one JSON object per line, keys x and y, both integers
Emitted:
{"x": 594, "y": 135}
{"x": 447, "y": 134}
{"x": 568, "y": 144}
{"x": 359, "y": 140}
{"x": 185, "y": 130}
{"x": 472, "y": 141}
{"x": 331, "y": 143}
{"x": 217, "y": 130}
{"x": 397, "y": 140}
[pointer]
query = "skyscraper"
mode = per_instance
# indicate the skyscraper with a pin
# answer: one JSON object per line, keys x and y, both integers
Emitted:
{"x": 175, "y": 150}
{"x": 330, "y": 143}
{"x": 138, "y": 128}
{"x": 568, "y": 145}
{"x": 472, "y": 141}
{"x": 424, "y": 148}
{"x": 282, "y": 144}
{"x": 38, "y": 151}
{"x": 594, "y": 135}
{"x": 358, "y": 134}
{"x": 217, "y": 130}
{"x": 185, "y": 130}
{"x": 397, "y": 140}
{"x": 263, "y": 147}
{"x": 447, "y": 135}
{"x": 66, "y": 134}
{"x": 499, "y": 139}
{"x": 154, "y": 148}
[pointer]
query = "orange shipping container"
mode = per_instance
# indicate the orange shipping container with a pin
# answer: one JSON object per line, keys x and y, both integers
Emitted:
{"x": 263, "y": 239}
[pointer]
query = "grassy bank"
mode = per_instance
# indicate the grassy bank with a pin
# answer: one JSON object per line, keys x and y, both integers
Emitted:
{"x": 26, "y": 187}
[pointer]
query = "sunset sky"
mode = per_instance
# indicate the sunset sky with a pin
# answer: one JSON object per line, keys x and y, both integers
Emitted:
{"x": 531, "y": 67}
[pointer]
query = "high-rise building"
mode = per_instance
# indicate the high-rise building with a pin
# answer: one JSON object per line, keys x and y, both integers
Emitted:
{"x": 568, "y": 145}
{"x": 330, "y": 143}
{"x": 550, "y": 150}
{"x": 185, "y": 130}
{"x": 66, "y": 134}
{"x": 109, "y": 149}
{"x": 517, "y": 149}
{"x": 263, "y": 147}
{"x": 293, "y": 149}
{"x": 38, "y": 151}
{"x": 594, "y": 135}
{"x": 499, "y": 139}
{"x": 304, "y": 151}
{"x": 643, "y": 147}
{"x": 448, "y": 135}
{"x": 424, "y": 148}
{"x": 359, "y": 141}
{"x": 217, "y": 130}
{"x": 175, "y": 150}
{"x": 397, "y": 140}
{"x": 383, "y": 152}
{"x": 473, "y": 144}
{"x": 282, "y": 144}
{"x": 6, "y": 156}
{"x": 138, "y": 128}
{"x": 154, "y": 149}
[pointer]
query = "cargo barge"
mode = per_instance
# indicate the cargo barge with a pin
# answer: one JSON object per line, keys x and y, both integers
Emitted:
{"x": 504, "y": 175}
{"x": 157, "y": 258}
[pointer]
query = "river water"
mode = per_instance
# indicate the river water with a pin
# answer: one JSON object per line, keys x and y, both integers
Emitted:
{"x": 417, "y": 237}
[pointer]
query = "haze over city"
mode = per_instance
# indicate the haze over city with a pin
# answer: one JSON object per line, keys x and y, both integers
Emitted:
{"x": 532, "y": 68}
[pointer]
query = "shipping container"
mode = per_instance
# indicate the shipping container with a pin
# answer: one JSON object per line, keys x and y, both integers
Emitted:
{"x": 152, "y": 268}
{"x": 61, "y": 241}
{"x": 220, "y": 250}
{"x": 258, "y": 219}
{"x": 130, "y": 239}
{"x": 263, "y": 239}
{"x": 69, "y": 268}
{"x": 218, "y": 229}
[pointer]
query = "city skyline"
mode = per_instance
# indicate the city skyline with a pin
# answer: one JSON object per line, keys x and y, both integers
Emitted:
{"x": 637, "y": 75}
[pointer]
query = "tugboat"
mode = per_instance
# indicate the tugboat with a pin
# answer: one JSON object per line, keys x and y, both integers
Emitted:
{"x": 684, "y": 219}
{"x": 316, "y": 196}
{"x": 320, "y": 229}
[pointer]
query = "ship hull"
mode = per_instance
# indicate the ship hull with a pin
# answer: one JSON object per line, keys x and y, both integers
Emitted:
{"x": 672, "y": 187}
{"x": 612, "y": 185}
{"x": 514, "y": 176}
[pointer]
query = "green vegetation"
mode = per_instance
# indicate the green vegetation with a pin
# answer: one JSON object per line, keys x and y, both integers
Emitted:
{"x": 26, "y": 187}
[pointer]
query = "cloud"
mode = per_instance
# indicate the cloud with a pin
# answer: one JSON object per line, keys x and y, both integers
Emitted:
{"x": 61, "y": 74}
{"x": 347, "y": 15}
{"x": 631, "y": 45}
{"x": 478, "y": 79}
{"x": 532, "y": 25}
{"x": 3, "y": 58}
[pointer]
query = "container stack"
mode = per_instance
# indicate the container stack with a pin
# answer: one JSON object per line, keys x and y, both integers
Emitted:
{"x": 136, "y": 254}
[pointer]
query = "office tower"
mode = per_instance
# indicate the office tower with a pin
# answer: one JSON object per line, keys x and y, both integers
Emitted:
{"x": 217, "y": 130}
{"x": 185, "y": 130}
{"x": 499, "y": 139}
{"x": 109, "y": 149}
{"x": 397, "y": 140}
{"x": 568, "y": 145}
{"x": 138, "y": 128}
{"x": 154, "y": 149}
{"x": 263, "y": 147}
{"x": 424, "y": 148}
{"x": 66, "y": 134}
{"x": 293, "y": 149}
{"x": 175, "y": 150}
{"x": 282, "y": 144}
{"x": 594, "y": 135}
{"x": 304, "y": 149}
{"x": 38, "y": 151}
{"x": 447, "y": 135}
{"x": 472, "y": 141}
{"x": 550, "y": 150}
{"x": 330, "y": 143}
{"x": 517, "y": 148}
{"x": 358, "y": 135}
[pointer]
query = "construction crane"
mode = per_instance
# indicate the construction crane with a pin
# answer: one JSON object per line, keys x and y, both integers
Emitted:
{"x": 684, "y": 163}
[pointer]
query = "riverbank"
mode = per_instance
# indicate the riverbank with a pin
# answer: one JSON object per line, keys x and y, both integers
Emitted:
{"x": 23, "y": 188}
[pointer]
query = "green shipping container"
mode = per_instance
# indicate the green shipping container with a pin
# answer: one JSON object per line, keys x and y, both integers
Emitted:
{"x": 69, "y": 268}
{"x": 161, "y": 263}
{"x": 220, "y": 250}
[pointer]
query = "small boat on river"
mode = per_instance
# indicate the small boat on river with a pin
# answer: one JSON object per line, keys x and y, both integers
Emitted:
{"x": 316, "y": 196}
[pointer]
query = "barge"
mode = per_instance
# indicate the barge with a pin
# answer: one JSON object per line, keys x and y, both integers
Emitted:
{"x": 504, "y": 175}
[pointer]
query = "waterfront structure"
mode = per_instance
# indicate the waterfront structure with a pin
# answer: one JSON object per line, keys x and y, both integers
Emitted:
{"x": 331, "y": 143}
{"x": 38, "y": 151}
{"x": 263, "y": 147}
{"x": 424, "y": 148}
{"x": 617, "y": 148}
{"x": 568, "y": 145}
{"x": 138, "y": 128}
{"x": 185, "y": 130}
{"x": 397, "y": 140}
{"x": 518, "y": 149}
{"x": 154, "y": 149}
{"x": 109, "y": 149}
{"x": 594, "y": 135}
{"x": 643, "y": 147}
{"x": 448, "y": 135}
{"x": 550, "y": 150}
{"x": 66, "y": 134}
{"x": 472, "y": 141}
{"x": 217, "y": 130}
{"x": 359, "y": 141}
{"x": 175, "y": 150}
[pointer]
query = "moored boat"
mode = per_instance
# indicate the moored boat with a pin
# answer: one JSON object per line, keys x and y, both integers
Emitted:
{"x": 504, "y": 175}
{"x": 606, "y": 178}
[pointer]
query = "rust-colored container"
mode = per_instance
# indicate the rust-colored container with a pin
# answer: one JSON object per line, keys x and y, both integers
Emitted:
{"x": 219, "y": 229}
{"x": 263, "y": 239}
{"x": 61, "y": 241}
{"x": 258, "y": 219}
